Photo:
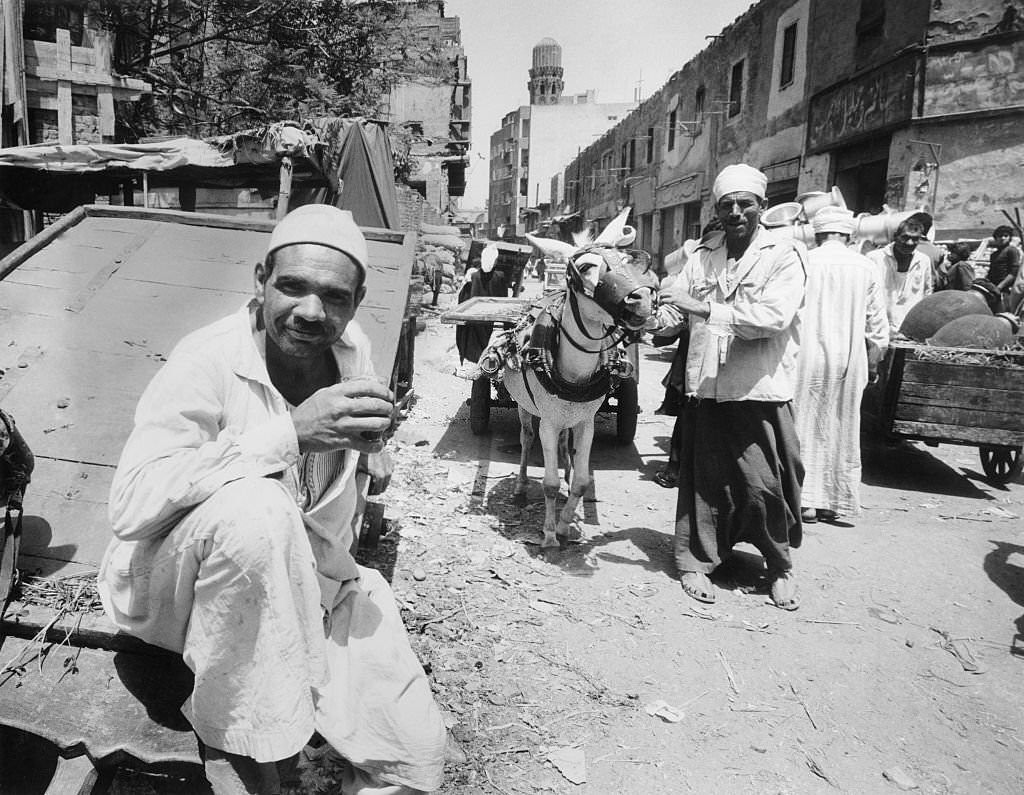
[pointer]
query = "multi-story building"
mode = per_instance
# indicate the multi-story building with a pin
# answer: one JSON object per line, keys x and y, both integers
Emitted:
{"x": 433, "y": 110}
{"x": 911, "y": 105}
{"x": 537, "y": 139}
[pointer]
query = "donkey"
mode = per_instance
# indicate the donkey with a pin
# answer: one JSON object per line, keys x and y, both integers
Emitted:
{"x": 564, "y": 357}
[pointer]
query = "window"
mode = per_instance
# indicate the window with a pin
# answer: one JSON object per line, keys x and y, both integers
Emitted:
{"x": 788, "y": 56}
{"x": 736, "y": 89}
{"x": 672, "y": 131}
{"x": 524, "y": 186}
{"x": 624, "y": 155}
{"x": 524, "y": 158}
{"x": 698, "y": 104}
{"x": 526, "y": 128}
{"x": 632, "y": 154}
{"x": 872, "y": 18}
{"x": 650, "y": 144}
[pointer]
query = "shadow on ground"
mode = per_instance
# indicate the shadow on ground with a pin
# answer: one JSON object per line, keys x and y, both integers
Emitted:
{"x": 1009, "y": 576}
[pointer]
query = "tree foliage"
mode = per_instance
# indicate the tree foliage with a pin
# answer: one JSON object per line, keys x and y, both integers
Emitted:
{"x": 217, "y": 66}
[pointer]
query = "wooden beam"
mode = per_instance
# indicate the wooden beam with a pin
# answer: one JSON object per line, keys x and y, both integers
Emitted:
{"x": 65, "y": 112}
{"x": 30, "y": 247}
{"x": 89, "y": 78}
{"x": 105, "y": 107}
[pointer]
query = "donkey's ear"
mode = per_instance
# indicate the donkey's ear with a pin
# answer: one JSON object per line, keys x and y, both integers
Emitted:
{"x": 551, "y": 247}
{"x": 615, "y": 232}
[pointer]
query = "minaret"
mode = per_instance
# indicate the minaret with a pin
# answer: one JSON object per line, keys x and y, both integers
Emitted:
{"x": 546, "y": 75}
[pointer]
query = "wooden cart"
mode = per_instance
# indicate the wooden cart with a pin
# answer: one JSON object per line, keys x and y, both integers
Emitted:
{"x": 959, "y": 396}
{"x": 623, "y": 401}
{"x": 91, "y": 308}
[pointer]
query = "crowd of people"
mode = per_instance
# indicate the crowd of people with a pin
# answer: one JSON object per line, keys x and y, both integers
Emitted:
{"x": 776, "y": 346}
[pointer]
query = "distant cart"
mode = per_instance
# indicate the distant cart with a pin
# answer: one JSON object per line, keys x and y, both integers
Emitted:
{"x": 622, "y": 401}
{"x": 959, "y": 396}
{"x": 512, "y": 259}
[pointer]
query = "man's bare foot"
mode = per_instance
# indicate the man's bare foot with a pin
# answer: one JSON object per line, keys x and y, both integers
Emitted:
{"x": 784, "y": 591}
{"x": 697, "y": 586}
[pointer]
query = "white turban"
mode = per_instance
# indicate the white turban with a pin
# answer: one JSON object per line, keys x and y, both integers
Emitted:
{"x": 834, "y": 219}
{"x": 740, "y": 177}
{"x": 488, "y": 257}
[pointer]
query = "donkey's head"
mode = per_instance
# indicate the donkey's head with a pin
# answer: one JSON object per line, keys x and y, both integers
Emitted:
{"x": 616, "y": 281}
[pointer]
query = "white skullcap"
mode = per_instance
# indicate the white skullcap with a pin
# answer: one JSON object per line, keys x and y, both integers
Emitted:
{"x": 488, "y": 257}
{"x": 323, "y": 225}
{"x": 834, "y": 219}
{"x": 740, "y": 177}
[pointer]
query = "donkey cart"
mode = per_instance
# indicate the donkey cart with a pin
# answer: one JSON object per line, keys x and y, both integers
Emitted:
{"x": 622, "y": 401}
{"x": 959, "y": 396}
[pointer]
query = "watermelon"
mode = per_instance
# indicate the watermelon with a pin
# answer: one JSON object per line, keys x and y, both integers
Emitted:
{"x": 934, "y": 311}
{"x": 977, "y": 331}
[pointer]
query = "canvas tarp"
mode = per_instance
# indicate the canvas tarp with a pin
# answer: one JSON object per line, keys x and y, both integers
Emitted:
{"x": 345, "y": 162}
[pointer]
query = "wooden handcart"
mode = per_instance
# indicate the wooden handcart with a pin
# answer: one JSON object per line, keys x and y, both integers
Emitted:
{"x": 92, "y": 306}
{"x": 959, "y": 396}
{"x": 622, "y": 401}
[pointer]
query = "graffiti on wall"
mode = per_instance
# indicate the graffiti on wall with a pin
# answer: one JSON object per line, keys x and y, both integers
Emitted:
{"x": 878, "y": 99}
{"x": 980, "y": 79}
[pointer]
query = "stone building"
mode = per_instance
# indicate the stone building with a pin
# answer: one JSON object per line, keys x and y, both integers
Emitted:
{"x": 433, "y": 111}
{"x": 904, "y": 105}
{"x": 920, "y": 104}
{"x": 536, "y": 140}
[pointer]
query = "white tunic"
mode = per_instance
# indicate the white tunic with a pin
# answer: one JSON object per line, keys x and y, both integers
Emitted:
{"x": 843, "y": 309}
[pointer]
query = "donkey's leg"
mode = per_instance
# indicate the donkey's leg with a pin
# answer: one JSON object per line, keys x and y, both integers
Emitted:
{"x": 565, "y": 453}
{"x": 526, "y": 437}
{"x": 582, "y": 437}
{"x": 549, "y": 441}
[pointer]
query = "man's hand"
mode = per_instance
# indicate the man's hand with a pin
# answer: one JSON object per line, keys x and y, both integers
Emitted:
{"x": 379, "y": 467}
{"x": 680, "y": 297}
{"x": 352, "y": 415}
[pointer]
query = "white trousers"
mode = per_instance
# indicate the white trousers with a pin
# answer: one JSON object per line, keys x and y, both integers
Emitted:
{"x": 233, "y": 588}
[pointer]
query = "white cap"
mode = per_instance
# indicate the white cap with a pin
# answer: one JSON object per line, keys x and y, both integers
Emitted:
{"x": 488, "y": 257}
{"x": 740, "y": 177}
{"x": 323, "y": 225}
{"x": 834, "y": 219}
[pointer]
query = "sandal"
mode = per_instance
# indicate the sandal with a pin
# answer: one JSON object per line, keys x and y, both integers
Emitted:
{"x": 697, "y": 586}
{"x": 667, "y": 478}
{"x": 784, "y": 592}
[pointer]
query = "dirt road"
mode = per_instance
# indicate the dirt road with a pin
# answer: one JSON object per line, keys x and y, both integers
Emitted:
{"x": 588, "y": 670}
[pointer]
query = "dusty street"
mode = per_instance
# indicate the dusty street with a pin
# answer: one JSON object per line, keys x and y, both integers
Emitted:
{"x": 588, "y": 670}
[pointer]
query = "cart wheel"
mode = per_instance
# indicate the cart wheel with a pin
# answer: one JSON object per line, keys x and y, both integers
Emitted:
{"x": 1001, "y": 464}
{"x": 480, "y": 405}
{"x": 627, "y": 409}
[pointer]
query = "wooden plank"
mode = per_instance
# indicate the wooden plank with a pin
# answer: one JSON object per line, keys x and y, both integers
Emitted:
{"x": 117, "y": 707}
{"x": 75, "y": 776}
{"x": 963, "y": 397}
{"x": 87, "y": 630}
{"x": 40, "y": 241}
{"x": 70, "y": 408}
{"x": 65, "y": 111}
{"x": 105, "y": 107}
{"x": 65, "y": 529}
{"x": 951, "y": 415}
{"x": 954, "y": 374}
{"x": 484, "y": 308}
{"x": 952, "y": 434}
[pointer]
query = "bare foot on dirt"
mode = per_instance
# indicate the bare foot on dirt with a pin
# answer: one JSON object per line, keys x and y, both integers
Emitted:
{"x": 697, "y": 586}
{"x": 784, "y": 591}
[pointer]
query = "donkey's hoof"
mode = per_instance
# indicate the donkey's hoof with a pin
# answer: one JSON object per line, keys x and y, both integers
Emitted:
{"x": 550, "y": 541}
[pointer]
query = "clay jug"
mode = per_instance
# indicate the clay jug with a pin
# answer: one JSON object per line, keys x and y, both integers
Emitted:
{"x": 977, "y": 331}
{"x": 934, "y": 311}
